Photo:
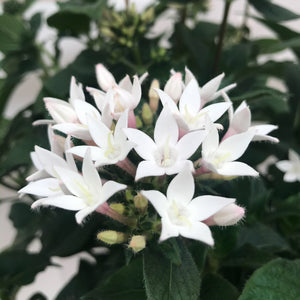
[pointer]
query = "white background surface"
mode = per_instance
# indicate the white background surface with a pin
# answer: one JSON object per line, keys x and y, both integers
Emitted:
{"x": 50, "y": 281}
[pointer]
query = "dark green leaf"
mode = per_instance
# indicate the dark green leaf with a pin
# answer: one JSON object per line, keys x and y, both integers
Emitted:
{"x": 165, "y": 280}
{"x": 279, "y": 279}
{"x": 21, "y": 214}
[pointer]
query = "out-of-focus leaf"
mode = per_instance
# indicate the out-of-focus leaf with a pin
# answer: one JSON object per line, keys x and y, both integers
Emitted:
{"x": 273, "y": 11}
{"x": 215, "y": 287}
{"x": 21, "y": 214}
{"x": 279, "y": 279}
{"x": 38, "y": 296}
{"x": 164, "y": 280}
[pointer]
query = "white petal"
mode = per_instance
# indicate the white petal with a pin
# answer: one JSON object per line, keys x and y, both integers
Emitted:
{"x": 208, "y": 90}
{"x": 99, "y": 132}
{"x": 37, "y": 175}
{"x": 76, "y": 91}
{"x": 77, "y": 130}
{"x": 158, "y": 200}
{"x": 145, "y": 146}
{"x": 215, "y": 111}
{"x": 148, "y": 168}
{"x": 168, "y": 229}
{"x": 179, "y": 166}
{"x": 69, "y": 156}
{"x": 241, "y": 120}
{"x": 96, "y": 152}
{"x": 235, "y": 146}
{"x": 211, "y": 142}
{"x": 99, "y": 97}
{"x": 203, "y": 207}
{"x": 197, "y": 231}
{"x": 104, "y": 78}
{"x": 136, "y": 92}
{"x": 293, "y": 156}
{"x": 188, "y": 75}
{"x": 83, "y": 213}
{"x": 190, "y": 98}
{"x": 284, "y": 165}
{"x": 110, "y": 188}
{"x": 265, "y": 138}
{"x": 65, "y": 201}
{"x": 43, "y": 188}
{"x": 125, "y": 83}
{"x": 182, "y": 187}
{"x": 241, "y": 106}
{"x": 122, "y": 123}
{"x": 189, "y": 143}
{"x": 166, "y": 100}
{"x": 290, "y": 177}
{"x": 85, "y": 110}
{"x": 236, "y": 169}
{"x": 166, "y": 128}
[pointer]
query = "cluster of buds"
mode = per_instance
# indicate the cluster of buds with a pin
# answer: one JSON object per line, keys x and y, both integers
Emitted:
{"x": 115, "y": 132}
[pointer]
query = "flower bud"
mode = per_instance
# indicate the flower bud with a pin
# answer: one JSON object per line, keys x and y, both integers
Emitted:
{"x": 137, "y": 243}
{"x": 153, "y": 96}
{"x": 229, "y": 215}
{"x": 104, "y": 78}
{"x": 138, "y": 121}
{"x": 174, "y": 86}
{"x": 112, "y": 237}
{"x": 118, "y": 207}
{"x": 147, "y": 114}
{"x": 128, "y": 195}
{"x": 140, "y": 203}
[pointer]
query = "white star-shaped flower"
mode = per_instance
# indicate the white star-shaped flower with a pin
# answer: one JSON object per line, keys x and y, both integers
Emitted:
{"x": 164, "y": 155}
{"x": 182, "y": 215}
{"x": 291, "y": 167}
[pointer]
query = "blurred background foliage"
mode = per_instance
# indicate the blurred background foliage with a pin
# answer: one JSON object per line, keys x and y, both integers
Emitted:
{"x": 269, "y": 236}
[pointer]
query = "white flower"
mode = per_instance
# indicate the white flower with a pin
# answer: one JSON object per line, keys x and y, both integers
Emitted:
{"x": 190, "y": 116}
{"x": 87, "y": 191}
{"x": 291, "y": 167}
{"x": 174, "y": 86}
{"x": 220, "y": 158}
{"x": 112, "y": 146}
{"x": 164, "y": 155}
{"x": 182, "y": 215}
{"x": 104, "y": 78}
{"x": 240, "y": 121}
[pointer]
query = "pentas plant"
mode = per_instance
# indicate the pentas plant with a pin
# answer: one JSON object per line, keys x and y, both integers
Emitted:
{"x": 113, "y": 158}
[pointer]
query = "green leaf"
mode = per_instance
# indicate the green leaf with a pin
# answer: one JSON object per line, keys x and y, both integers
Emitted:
{"x": 165, "y": 280}
{"x": 215, "y": 287}
{"x": 272, "y": 11}
{"x": 279, "y": 279}
{"x": 21, "y": 214}
{"x": 126, "y": 283}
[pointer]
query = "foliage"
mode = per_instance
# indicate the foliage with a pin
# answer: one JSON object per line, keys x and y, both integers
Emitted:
{"x": 249, "y": 261}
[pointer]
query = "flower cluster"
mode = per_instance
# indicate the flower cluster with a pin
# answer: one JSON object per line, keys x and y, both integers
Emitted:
{"x": 184, "y": 143}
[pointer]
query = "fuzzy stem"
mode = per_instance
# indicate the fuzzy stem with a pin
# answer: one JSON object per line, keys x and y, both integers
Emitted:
{"x": 127, "y": 166}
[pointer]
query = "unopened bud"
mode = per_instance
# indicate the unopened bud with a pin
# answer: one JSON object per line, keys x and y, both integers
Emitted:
{"x": 138, "y": 121}
{"x": 174, "y": 86}
{"x": 147, "y": 114}
{"x": 229, "y": 215}
{"x": 128, "y": 195}
{"x": 153, "y": 96}
{"x": 104, "y": 78}
{"x": 118, "y": 207}
{"x": 112, "y": 237}
{"x": 137, "y": 243}
{"x": 140, "y": 203}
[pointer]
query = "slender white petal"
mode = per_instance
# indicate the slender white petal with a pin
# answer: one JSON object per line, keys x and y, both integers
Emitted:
{"x": 179, "y": 166}
{"x": 83, "y": 213}
{"x": 236, "y": 168}
{"x": 290, "y": 177}
{"x": 85, "y": 111}
{"x": 211, "y": 142}
{"x": 293, "y": 156}
{"x": 60, "y": 111}
{"x": 158, "y": 200}
{"x": 198, "y": 231}
{"x": 99, "y": 132}
{"x": 203, "y": 207}
{"x": 122, "y": 123}
{"x": 99, "y": 97}
{"x": 148, "y": 168}
{"x": 241, "y": 120}
{"x": 64, "y": 201}
{"x": 182, "y": 187}
{"x": 210, "y": 88}
{"x": 77, "y": 130}
{"x": 104, "y": 78}
{"x": 166, "y": 100}
{"x": 96, "y": 152}
{"x": 168, "y": 230}
{"x": 126, "y": 83}
{"x": 76, "y": 91}
{"x": 190, "y": 99}
{"x": 215, "y": 111}
{"x": 110, "y": 188}
{"x": 69, "y": 156}
{"x": 136, "y": 92}
{"x": 284, "y": 165}
{"x": 43, "y": 188}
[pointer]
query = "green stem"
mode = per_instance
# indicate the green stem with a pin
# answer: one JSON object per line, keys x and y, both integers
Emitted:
{"x": 221, "y": 36}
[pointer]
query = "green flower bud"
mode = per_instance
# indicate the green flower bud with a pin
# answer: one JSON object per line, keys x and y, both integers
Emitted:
{"x": 137, "y": 243}
{"x": 153, "y": 96}
{"x": 112, "y": 237}
{"x": 147, "y": 114}
{"x": 118, "y": 207}
{"x": 140, "y": 203}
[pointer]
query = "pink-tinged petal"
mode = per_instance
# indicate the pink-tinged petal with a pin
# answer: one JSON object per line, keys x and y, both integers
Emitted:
{"x": 136, "y": 92}
{"x": 290, "y": 177}
{"x": 145, "y": 146}
{"x": 104, "y": 78}
{"x": 190, "y": 99}
{"x": 90, "y": 174}
{"x": 99, "y": 132}
{"x": 284, "y": 165}
{"x": 293, "y": 156}
{"x": 236, "y": 168}
{"x": 85, "y": 111}
{"x": 168, "y": 229}
{"x": 73, "y": 181}
{"x": 188, "y": 76}
{"x": 77, "y": 130}
{"x": 215, "y": 111}
{"x": 197, "y": 231}
{"x": 166, "y": 128}
{"x": 64, "y": 201}
{"x": 228, "y": 215}
{"x": 148, "y": 168}
{"x": 181, "y": 189}
{"x": 158, "y": 200}
{"x": 76, "y": 91}
{"x": 174, "y": 86}
{"x": 235, "y": 146}
{"x": 189, "y": 143}
{"x": 43, "y": 188}
{"x": 242, "y": 106}
{"x": 203, "y": 207}
{"x": 109, "y": 189}
{"x": 241, "y": 120}
{"x": 166, "y": 100}
{"x": 48, "y": 160}
{"x": 83, "y": 213}
{"x": 125, "y": 83}
{"x": 209, "y": 89}
{"x": 60, "y": 111}
{"x": 211, "y": 142}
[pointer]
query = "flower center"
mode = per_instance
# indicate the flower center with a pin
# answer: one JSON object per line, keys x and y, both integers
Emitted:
{"x": 112, "y": 150}
{"x": 179, "y": 215}
{"x": 220, "y": 158}
{"x": 195, "y": 121}
{"x": 166, "y": 155}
